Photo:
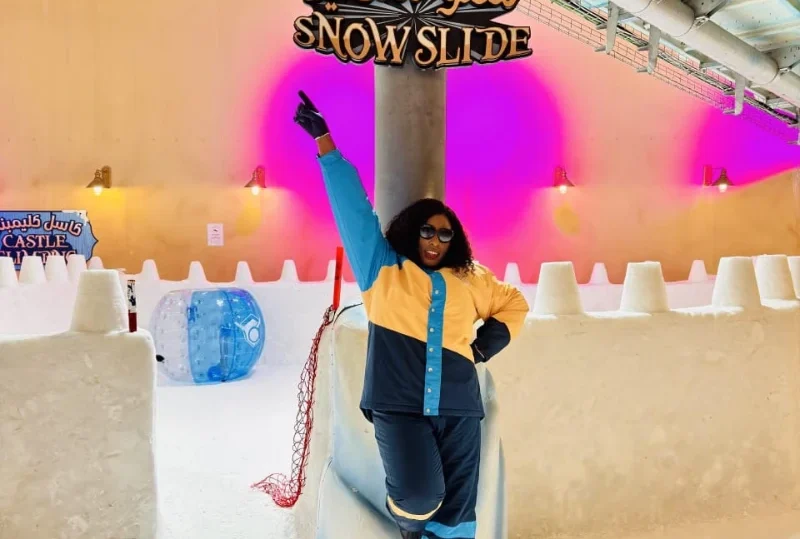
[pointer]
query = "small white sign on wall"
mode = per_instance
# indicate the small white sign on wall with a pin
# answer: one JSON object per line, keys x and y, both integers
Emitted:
{"x": 216, "y": 235}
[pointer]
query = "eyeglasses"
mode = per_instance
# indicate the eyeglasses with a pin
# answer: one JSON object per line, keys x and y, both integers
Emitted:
{"x": 427, "y": 232}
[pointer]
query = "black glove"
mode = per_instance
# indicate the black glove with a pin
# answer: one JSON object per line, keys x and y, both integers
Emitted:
{"x": 309, "y": 118}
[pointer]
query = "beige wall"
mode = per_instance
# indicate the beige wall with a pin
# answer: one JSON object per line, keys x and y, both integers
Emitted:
{"x": 169, "y": 95}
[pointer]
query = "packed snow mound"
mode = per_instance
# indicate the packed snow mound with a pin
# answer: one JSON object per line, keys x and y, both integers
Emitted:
{"x": 76, "y": 425}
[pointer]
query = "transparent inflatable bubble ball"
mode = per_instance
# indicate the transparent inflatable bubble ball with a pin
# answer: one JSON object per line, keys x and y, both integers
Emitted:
{"x": 207, "y": 336}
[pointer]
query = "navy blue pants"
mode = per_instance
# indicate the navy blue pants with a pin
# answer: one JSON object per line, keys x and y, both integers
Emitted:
{"x": 431, "y": 466}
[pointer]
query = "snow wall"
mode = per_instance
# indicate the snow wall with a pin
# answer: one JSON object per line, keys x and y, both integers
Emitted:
{"x": 607, "y": 422}
{"x": 76, "y": 424}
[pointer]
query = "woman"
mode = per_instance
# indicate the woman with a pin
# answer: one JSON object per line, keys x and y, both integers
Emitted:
{"x": 422, "y": 294}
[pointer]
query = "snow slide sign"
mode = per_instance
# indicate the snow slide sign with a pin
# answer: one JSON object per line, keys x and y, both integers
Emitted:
{"x": 433, "y": 33}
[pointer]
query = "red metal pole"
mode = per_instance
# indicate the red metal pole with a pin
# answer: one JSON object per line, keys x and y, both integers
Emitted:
{"x": 337, "y": 280}
{"x": 132, "y": 321}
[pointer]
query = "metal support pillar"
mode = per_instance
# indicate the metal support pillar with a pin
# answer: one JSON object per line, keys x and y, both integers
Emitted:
{"x": 654, "y": 42}
{"x": 410, "y": 118}
{"x": 740, "y": 84}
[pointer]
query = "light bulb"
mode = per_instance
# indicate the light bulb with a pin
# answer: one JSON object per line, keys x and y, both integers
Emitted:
{"x": 722, "y": 187}
{"x": 255, "y": 190}
{"x": 98, "y": 189}
{"x": 562, "y": 189}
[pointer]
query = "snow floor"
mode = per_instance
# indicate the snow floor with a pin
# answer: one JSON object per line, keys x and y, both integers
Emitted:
{"x": 213, "y": 442}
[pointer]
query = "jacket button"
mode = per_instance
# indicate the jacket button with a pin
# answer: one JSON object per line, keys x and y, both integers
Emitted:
{"x": 428, "y": 410}
{"x": 430, "y": 349}
{"x": 431, "y": 330}
{"x": 435, "y": 291}
{"x": 430, "y": 369}
{"x": 429, "y": 390}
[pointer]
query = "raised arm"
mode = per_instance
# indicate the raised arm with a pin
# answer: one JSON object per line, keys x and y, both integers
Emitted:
{"x": 503, "y": 310}
{"x": 358, "y": 225}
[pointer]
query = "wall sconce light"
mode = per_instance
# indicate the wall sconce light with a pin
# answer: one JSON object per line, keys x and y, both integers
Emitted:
{"x": 257, "y": 182}
{"x": 561, "y": 182}
{"x": 722, "y": 182}
{"x": 102, "y": 180}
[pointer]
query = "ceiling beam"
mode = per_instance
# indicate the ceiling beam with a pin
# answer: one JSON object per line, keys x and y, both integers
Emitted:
{"x": 771, "y": 29}
{"x": 795, "y": 4}
{"x": 623, "y": 17}
{"x": 743, "y": 3}
{"x": 788, "y": 58}
{"x": 779, "y": 103}
{"x": 706, "y": 8}
{"x": 772, "y": 48}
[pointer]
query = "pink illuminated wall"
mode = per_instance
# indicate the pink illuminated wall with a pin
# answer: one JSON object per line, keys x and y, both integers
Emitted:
{"x": 184, "y": 99}
{"x": 634, "y": 147}
{"x": 503, "y": 142}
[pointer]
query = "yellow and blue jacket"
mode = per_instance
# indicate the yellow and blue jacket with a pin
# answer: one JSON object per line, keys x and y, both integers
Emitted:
{"x": 420, "y": 357}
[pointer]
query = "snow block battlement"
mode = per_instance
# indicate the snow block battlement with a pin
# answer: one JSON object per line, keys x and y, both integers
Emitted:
{"x": 644, "y": 290}
{"x": 44, "y": 301}
{"x": 558, "y": 291}
{"x": 614, "y": 422}
{"x": 736, "y": 284}
{"x": 100, "y": 306}
{"x": 774, "y": 277}
{"x": 76, "y": 425}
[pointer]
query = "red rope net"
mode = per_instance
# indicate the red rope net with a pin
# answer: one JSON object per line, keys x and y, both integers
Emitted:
{"x": 285, "y": 491}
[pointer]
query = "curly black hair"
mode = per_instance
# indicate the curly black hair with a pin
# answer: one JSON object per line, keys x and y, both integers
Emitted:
{"x": 403, "y": 234}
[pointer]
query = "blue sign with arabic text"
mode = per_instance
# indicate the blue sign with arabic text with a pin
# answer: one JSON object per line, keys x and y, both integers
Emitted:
{"x": 45, "y": 233}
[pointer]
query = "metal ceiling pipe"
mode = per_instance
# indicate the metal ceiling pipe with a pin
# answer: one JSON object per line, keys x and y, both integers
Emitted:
{"x": 727, "y": 49}
{"x": 786, "y": 85}
{"x": 676, "y": 19}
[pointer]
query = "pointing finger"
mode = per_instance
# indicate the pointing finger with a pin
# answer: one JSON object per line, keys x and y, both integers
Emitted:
{"x": 307, "y": 101}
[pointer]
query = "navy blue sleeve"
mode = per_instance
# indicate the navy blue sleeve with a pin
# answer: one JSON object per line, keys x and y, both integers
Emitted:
{"x": 491, "y": 338}
{"x": 503, "y": 309}
{"x": 358, "y": 225}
